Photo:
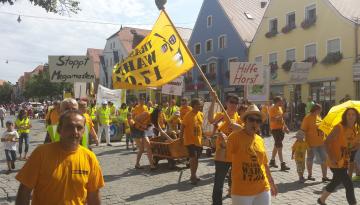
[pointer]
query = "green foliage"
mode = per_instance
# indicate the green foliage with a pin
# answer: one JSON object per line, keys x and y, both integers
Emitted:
{"x": 39, "y": 86}
{"x": 332, "y": 58}
{"x": 287, "y": 65}
{"x": 5, "y": 93}
{"x": 54, "y": 6}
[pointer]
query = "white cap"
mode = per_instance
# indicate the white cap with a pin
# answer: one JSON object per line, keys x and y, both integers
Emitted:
{"x": 104, "y": 102}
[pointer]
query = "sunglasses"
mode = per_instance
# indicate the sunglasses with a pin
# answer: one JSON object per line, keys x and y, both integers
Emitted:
{"x": 254, "y": 119}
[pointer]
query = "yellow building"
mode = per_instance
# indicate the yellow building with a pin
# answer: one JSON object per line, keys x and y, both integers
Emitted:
{"x": 320, "y": 31}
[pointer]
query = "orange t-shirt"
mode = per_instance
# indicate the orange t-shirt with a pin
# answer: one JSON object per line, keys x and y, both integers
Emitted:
{"x": 338, "y": 148}
{"x": 248, "y": 156}
{"x": 142, "y": 121}
{"x": 310, "y": 125}
{"x": 184, "y": 110}
{"x": 138, "y": 109}
{"x": 53, "y": 116}
{"x": 223, "y": 122}
{"x": 88, "y": 120}
{"x": 192, "y": 123}
{"x": 276, "y": 117}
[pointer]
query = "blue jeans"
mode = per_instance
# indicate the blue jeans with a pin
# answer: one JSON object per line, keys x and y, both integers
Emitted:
{"x": 24, "y": 137}
{"x": 221, "y": 170}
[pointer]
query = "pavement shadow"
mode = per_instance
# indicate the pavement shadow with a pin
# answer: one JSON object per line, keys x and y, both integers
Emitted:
{"x": 293, "y": 186}
{"x": 109, "y": 152}
{"x": 179, "y": 186}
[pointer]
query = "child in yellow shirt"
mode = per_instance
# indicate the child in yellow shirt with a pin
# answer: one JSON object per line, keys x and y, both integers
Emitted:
{"x": 298, "y": 153}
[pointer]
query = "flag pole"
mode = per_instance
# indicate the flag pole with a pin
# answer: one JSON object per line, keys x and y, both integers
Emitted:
{"x": 197, "y": 65}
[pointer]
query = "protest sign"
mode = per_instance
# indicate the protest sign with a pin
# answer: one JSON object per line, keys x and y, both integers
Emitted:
{"x": 299, "y": 72}
{"x": 174, "y": 87}
{"x": 80, "y": 89}
{"x": 115, "y": 96}
{"x": 244, "y": 73}
{"x": 207, "y": 127}
{"x": 260, "y": 93}
{"x": 71, "y": 69}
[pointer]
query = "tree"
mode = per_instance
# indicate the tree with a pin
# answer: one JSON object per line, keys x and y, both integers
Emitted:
{"x": 40, "y": 87}
{"x": 54, "y": 6}
{"x": 5, "y": 93}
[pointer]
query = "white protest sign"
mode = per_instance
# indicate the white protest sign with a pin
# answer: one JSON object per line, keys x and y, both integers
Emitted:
{"x": 71, "y": 69}
{"x": 244, "y": 73}
{"x": 207, "y": 127}
{"x": 260, "y": 93}
{"x": 80, "y": 89}
{"x": 174, "y": 87}
{"x": 299, "y": 72}
{"x": 115, "y": 96}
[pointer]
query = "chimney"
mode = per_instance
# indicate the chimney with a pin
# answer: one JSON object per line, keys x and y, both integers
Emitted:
{"x": 263, "y": 4}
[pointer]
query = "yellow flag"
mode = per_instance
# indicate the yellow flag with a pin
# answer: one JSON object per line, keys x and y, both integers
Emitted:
{"x": 158, "y": 59}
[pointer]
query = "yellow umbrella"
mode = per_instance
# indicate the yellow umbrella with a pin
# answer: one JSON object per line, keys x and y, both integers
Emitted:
{"x": 334, "y": 115}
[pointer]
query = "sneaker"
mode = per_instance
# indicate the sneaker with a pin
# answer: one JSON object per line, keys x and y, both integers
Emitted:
{"x": 273, "y": 164}
{"x": 311, "y": 178}
{"x": 193, "y": 181}
{"x": 302, "y": 180}
{"x": 325, "y": 179}
{"x": 356, "y": 178}
{"x": 319, "y": 202}
{"x": 284, "y": 167}
{"x": 12, "y": 165}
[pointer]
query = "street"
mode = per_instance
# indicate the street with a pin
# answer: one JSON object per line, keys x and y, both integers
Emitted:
{"x": 126, "y": 185}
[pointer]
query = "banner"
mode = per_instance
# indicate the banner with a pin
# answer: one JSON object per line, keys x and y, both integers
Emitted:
{"x": 80, "y": 89}
{"x": 71, "y": 69}
{"x": 115, "y": 96}
{"x": 174, "y": 87}
{"x": 244, "y": 73}
{"x": 207, "y": 127}
{"x": 260, "y": 93}
{"x": 158, "y": 59}
{"x": 299, "y": 72}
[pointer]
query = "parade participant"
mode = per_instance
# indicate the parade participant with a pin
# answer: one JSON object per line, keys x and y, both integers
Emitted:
{"x": 122, "y": 118}
{"x": 9, "y": 138}
{"x": 23, "y": 125}
{"x": 314, "y": 137}
{"x": 172, "y": 109}
{"x": 90, "y": 131}
{"x": 184, "y": 108}
{"x": 241, "y": 110}
{"x": 2, "y": 115}
{"x": 174, "y": 122}
{"x": 298, "y": 153}
{"x": 191, "y": 131}
{"x": 252, "y": 183}
{"x": 222, "y": 162}
{"x": 309, "y": 105}
{"x": 128, "y": 124}
{"x": 92, "y": 111}
{"x": 113, "y": 111}
{"x": 150, "y": 106}
{"x": 103, "y": 117}
{"x": 278, "y": 127}
{"x": 52, "y": 119}
{"x": 337, "y": 148}
{"x": 155, "y": 121}
{"x": 139, "y": 108}
{"x": 265, "y": 130}
{"x": 165, "y": 107}
{"x": 62, "y": 172}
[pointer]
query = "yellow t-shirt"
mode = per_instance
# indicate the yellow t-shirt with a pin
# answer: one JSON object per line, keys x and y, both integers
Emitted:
{"x": 59, "y": 177}
{"x": 276, "y": 118}
{"x": 53, "y": 117}
{"x": 338, "y": 149}
{"x": 88, "y": 120}
{"x": 299, "y": 148}
{"x": 224, "y": 125}
{"x": 310, "y": 125}
{"x": 173, "y": 123}
{"x": 138, "y": 109}
{"x": 248, "y": 156}
{"x": 193, "y": 128}
{"x": 184, "y": 110}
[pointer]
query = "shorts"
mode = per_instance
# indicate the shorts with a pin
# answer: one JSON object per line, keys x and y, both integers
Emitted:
{"x": 352, "y": 155}
{"x": 10, "y": 155}
{"x": 278, "y": 135}
{"x": 263, "y": 198}
{"x": 137, "y": 134}
{"x": 319, "y": 153}
{"x": 194, "y": 151}
{"x": 300, "y": 167}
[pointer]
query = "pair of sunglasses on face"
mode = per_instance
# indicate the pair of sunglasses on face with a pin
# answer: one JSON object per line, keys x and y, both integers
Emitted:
{"x": 254, "y": 119}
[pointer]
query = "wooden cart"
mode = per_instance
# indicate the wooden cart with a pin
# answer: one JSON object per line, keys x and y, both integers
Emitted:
{"x": 164, "y": 149}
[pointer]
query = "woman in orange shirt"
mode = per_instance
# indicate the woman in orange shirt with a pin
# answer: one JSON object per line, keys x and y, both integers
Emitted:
{"x": 252, "y": 183}
{"x": 338, "y": 155}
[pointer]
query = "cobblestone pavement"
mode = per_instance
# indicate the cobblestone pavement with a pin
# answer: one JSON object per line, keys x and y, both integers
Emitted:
{"x": 125, "y": 185}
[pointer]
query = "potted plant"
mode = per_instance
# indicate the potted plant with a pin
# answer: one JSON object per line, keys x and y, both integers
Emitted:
{"x": 311, "y": 59}
{"x": 288, "y": 28}
{"x": 307, "y": 23}
{"x": 332, "y": 58}
{"x": 271, "y": 34}
{"x": 287, "y": 65}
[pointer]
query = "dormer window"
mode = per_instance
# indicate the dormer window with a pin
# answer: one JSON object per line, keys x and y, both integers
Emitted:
{"x": 209, "y": 21}
{"x": 248, "y": 15}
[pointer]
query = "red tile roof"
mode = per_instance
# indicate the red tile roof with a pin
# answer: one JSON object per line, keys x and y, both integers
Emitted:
{"x": 126, "y": 37}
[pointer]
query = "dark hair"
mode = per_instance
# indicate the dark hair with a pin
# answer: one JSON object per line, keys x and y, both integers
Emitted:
{"x": 154, "y": 116}
{"x": 277, "y": 99}
{"x": 22, "y": 114}
{"x": 123, "y": 105}
{"x": 232, "y": 96}
{"x": 242, "y": 107}
{"x": 66, "y": 115}
{"x": 344, "y": 120}
{"x": 9, "y": 123}
{"x": 315, "y": 107}
{"x": 194, "y": 102}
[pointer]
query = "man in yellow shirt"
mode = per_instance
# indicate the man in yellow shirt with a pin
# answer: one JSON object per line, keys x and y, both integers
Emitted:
{"x": 62, "y": 172}
{"x": 103, "y": 115}
{"x": 191, "y": 131}
{"x": 184, "y": 108}
{"x": 89, "y": 123}
{"x": 139, "y": 108}
{"x": 278, "y": 129}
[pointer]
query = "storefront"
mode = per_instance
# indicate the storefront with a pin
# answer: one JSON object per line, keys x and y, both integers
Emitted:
{"x": 323, "y": 92}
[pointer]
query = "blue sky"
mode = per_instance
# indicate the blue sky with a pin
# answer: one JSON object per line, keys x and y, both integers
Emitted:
{"x": 27, "y": 44}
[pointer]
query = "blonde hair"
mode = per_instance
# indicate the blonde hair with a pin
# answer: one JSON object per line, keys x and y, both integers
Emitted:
{"x": 67, "y": 101}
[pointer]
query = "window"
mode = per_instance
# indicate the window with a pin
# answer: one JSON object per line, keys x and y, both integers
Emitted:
{"x": 248, "y": 15}
{"x": 209, "y": 21}
{"x": 273, "y": 58}
{"x": 310, "y": 51}
{"x": 212, "y": 68}
{"x": 209, "y": 45}
{"x": 222, "y": 41}
{"x": 258, "y": 59}
{"x": 204, "y": 68}
{"x": 290, "y": 19}
{"x": 290, "y": 55}
{"x": 273, "y": 24}
{"x": 333, "y": 46}
{"x": 310, "y": 12}
{"x": 197, "y": 49}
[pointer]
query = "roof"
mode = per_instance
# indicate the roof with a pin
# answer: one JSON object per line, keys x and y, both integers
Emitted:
{"x": 349, "y": 9}
{"x": 2, "y": 82}
{"x": 94, "y": 55}
{"x": 185, "y": 33}
{"x": 38, "y": 69}
{"x": 238, "y": 12}
{"x": 126, "y": 37}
